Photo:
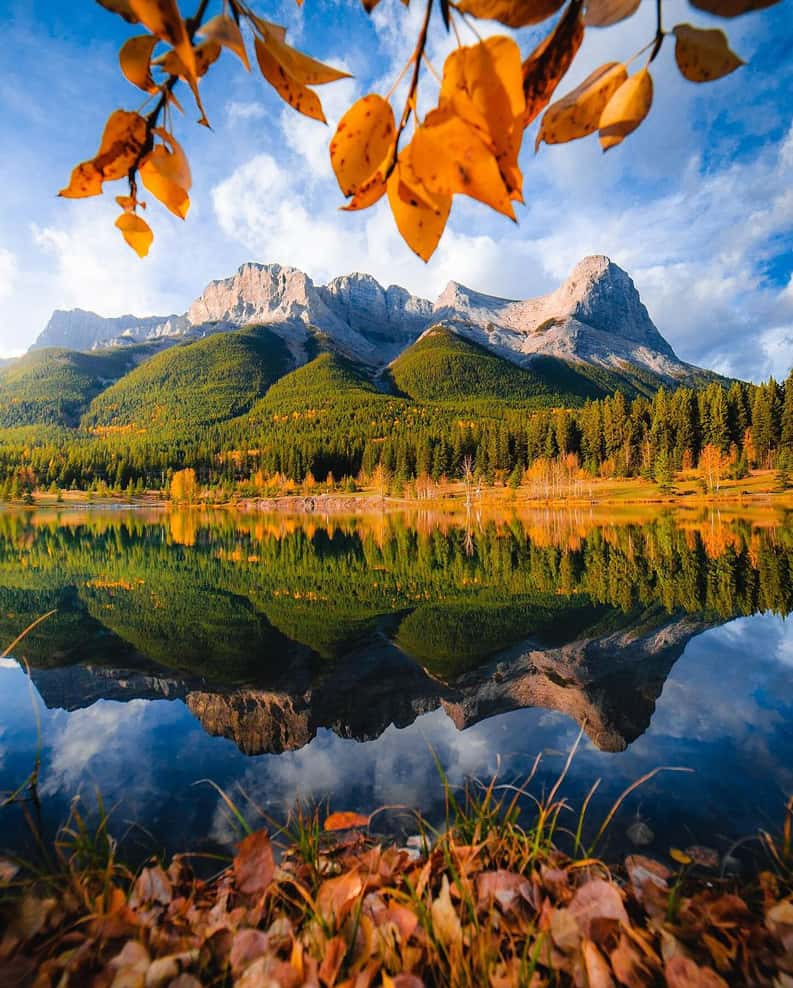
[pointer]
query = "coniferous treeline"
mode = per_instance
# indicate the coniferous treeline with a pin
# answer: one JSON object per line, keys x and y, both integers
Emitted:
{"x": 354, "y": 432}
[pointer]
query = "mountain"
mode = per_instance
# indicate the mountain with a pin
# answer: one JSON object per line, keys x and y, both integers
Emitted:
{"x": 595, "y": 318}
{"x": 195, "y": 384}
{"x": 55, "y": 386}
{"x": 441, "y": 366}
{"x": 268, "y": 340}
{"x": 81, "y": 330}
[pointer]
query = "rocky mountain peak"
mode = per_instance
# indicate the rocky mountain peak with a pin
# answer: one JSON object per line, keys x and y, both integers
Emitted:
{"x": 596, "y": 316}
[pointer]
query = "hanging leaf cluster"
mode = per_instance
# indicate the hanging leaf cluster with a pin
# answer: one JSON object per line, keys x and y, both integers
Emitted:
{"x": 469, "y": 143}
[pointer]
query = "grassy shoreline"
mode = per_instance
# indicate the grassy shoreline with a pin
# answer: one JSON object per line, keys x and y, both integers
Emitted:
{"x": 491, "y": 900}
{"x": 759, "y": 488}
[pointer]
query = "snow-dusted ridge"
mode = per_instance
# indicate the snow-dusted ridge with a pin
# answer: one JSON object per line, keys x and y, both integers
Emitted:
{"x": 596, "y": 316}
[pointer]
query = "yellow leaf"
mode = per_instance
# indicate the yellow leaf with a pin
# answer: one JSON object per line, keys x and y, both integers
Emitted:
{"x": 703, "y": 55}
{"x": 680, "y": 856}
{"x": 363, "y": 138}
{"x": 129, "y": 203}
{"x": 297, "y": 95}
{"x": 135, "y": 60}
{"x": 166, "y": 174}
{"x": 223, "y": 30}
{"x": 578, "y": 113}
{"x": 421, "y": 225}
{"x": 304, "y": 69}
{"x": 626, "y": 109}
{"x": 136, "y": 232}
{"x": 490, "y": 76}
{"x": 601, "y": 13}
{"x": 368, "y": 194}
{"x": 163, "y": 19}
{"x": 547, "y": 64}
{"x": 450, "y": 157}
{"x": 85, "y": 181}
{"x": 178, "y": 168}
{"x": 731, "y": 8}
{"x": 483, "y": 84}
{"x": 513, "y": 13}
{"x": 445, "y": 921}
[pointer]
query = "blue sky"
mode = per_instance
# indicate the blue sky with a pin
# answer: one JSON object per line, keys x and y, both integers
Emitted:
{"x": 697, "y": 205}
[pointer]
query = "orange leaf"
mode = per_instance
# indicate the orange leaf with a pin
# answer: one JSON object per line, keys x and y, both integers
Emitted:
{"x": 121, "y": 7}
{"x": 137, "y": 233}
{"x": 160, "y": 172}
{"x": 420, "y": 223}
{"x": 301, "y": 67}
{"x": 362, "y": 141}
{"x": 336, "y": 896}
{"x": 135, "y": 60}
{"x": 602, "y": 13}
{"x": 85, "y": 181}
{"x": 703, "y": 55}
{"x": 683, "y": 973}
{"x": 298, "y": 96}
{"x": 122, "y": 141}
{"x": 224, "y": 31}
{"x": 254, "y": 865}
{"x": 345, "y": 821}
{"x": 163, "y": 19}
{"x": 578, "y": 113}
{"x": 544, "y": 68}
{"x": 731, "y": 8}
{"x": 449, "y": 157}
{"x": 626, "y": 109}
{"x": 513, "y": 13}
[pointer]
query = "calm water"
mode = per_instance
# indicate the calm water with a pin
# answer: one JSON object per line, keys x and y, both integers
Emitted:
{"x": 333, "y": 659}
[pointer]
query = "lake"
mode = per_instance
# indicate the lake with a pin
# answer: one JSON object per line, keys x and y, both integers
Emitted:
{"x": 341, "y": 660}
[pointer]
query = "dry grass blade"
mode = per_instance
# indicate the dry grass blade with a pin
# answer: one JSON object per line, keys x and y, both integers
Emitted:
{"x": 27, "y": 631}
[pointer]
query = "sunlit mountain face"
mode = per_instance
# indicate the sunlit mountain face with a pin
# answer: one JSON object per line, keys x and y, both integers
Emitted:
{"x": 338, "y": 658}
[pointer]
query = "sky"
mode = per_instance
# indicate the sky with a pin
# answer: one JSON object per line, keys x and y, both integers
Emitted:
{"x": 697, "y": 205}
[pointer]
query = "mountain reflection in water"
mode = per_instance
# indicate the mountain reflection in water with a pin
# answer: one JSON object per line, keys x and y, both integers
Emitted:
{"x": 272, "y": 630}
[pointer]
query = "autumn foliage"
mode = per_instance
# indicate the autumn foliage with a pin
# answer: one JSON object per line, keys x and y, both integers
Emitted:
{"x": 484, "y": 903}
{"x": 469, "y": 143}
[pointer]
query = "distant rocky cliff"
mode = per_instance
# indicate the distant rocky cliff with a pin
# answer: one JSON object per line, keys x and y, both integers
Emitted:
{"x": 595, "y": 317}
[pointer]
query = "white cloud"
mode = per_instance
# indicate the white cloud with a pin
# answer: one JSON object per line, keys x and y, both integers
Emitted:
{"x": 8, "y": 272}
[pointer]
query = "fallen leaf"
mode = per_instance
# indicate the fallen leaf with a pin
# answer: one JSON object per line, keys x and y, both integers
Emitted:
{"x": 504, "y": 887}
{"x": 594, "y": 901}
{"x": 684, "y": 973}
{"x": 597, "y": 969}
{"x": 336, "y": 896}
{"x": 254, "y": 864}
{"x": 332, "y": 960}
{"x": 445, "y": 921}
{"x": 152, "y": 885}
